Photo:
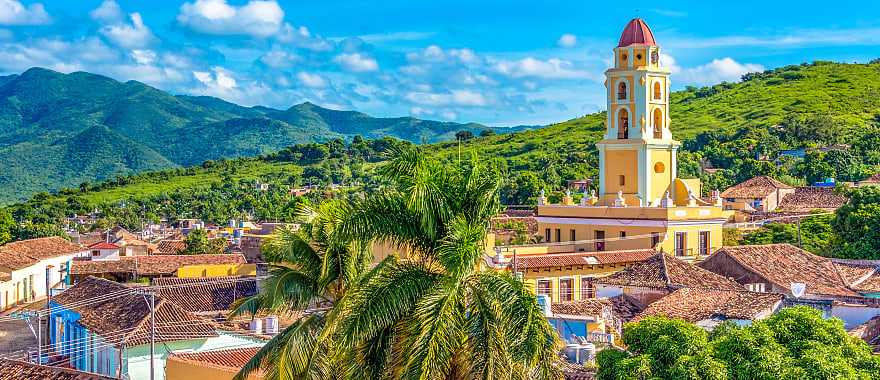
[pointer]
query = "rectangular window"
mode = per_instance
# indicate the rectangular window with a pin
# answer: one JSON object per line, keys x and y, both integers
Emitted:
{"x": 622, "y": 180}
{"x": 622, "y": 235}
{"x": 96, "y": 253}
{"x": 545, "y": 288}
{"x": 756, "y": 287}
{"x": 655, "y": 239}
{"x": 587, "y": 289}
{"x": 566, "y": 289}
{"x": 558, "y": 235}
{"x": 600, "y": 240}
{"x": 573, "y": 235}
{"x": 547, "y": 235}
{"x": 680, "y": 243}
{"x": 704, "y": 243}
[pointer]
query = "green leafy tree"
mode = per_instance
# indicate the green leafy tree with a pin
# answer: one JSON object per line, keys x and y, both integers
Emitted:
{"x": 857, "y": 225}
{"x": 197, "y": 243}
{"x": 30, "y": 230}
{"x": 7, "y": 226}
{"x": 793, "y": 344}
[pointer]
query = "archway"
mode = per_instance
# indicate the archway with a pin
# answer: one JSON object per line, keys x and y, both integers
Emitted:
{"x": 621, "y": 91}
{"x": 658, "y": 123}
{"x": 657, "y": 91}
{"x": 623, "y": 124}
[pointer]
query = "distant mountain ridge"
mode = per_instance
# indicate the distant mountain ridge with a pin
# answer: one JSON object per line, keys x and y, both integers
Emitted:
{"x": 58, "y": 130}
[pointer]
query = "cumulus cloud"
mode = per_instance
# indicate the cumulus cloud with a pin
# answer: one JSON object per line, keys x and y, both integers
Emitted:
{"x": 718, "y": 70}
{"x": 356, "y": 62}
{"x": 436, "y": 54}
{"x": 301, "y": 37}
{"x": 12, "y": 12}
{"x": 279, "y": 59}
{"x": 553, "y": 68}
{"x": 131, "y": 36}
{"x": 108, "y": 12}
{"x": 221, "y": 78}
{"x": 256, "y": 18}
{"x": 567, "y": 40}
{"x": 311, "y": 80}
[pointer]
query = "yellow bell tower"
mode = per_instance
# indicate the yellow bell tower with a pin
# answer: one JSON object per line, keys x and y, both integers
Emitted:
{"x": 637, "y": 161}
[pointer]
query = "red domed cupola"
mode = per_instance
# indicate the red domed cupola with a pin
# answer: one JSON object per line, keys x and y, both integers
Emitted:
{"x": 637, "y": 33}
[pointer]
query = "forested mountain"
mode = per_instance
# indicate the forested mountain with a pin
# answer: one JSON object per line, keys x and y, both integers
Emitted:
{"x": 58, "y": 130}
{"x": 740, "y": 128}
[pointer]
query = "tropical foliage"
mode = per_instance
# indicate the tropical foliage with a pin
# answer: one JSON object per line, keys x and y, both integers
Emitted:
{"x": 796, "y": 343}
{"x": 428, "y": 313}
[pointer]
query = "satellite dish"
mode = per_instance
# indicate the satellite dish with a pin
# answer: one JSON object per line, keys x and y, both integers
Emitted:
{"x": 798, "y": 289}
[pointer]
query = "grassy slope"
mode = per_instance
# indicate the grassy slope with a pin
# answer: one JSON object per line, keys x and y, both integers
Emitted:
{"x": 848, "y": 92}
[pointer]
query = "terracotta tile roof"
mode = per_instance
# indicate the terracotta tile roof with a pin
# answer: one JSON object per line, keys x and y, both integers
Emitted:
{"x": 582, "y": 258}
{"x": 156, "y": 265}
{"x": 103, "y": 245}
{"x": 812, "y": 198}
{"x": 860, "y": 275}
{"x": 638, "y": 33}
{"x": 667, "y": 272}
{"x": 170, "y": 247}
{"x": 784, "y": 264}
{"x": 230, "y": 360}
{"x": 572, "y": 371}
{"x": 24, "y": 253}
{"x": 122, "y": 316}
{"x": 208, "y": 294}
{"x": 695, "y": 305}
{"x": 757, "y": 187}
{"x": 18, "y": 370}
{"x": 623, "y": 307}
{"x": 591, "y": 307}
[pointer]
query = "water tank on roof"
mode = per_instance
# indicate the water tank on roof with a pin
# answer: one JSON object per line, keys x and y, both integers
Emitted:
{"x": 256, "y": 326}
{"x": 271, "y": 325}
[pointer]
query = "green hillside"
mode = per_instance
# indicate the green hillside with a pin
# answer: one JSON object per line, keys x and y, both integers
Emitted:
{"x": 741, "y": 128}
{"x": 45, "y": 115}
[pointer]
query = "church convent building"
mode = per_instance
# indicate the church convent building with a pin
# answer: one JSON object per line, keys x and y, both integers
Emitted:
{"x": 641, "y": 202}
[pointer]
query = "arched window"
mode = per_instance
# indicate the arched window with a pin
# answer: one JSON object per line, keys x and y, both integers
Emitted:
{"x": 621, "y": 91}
{"x": 657, "y": 94}
{"x": 658, "y": 123}
{"x": 623, "y": 124}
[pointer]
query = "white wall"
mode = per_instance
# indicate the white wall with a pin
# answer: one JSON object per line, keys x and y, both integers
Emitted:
{"x": 38, "y": 270}
{"x": 138, "y": 358}
{"x": 106, "y": 254}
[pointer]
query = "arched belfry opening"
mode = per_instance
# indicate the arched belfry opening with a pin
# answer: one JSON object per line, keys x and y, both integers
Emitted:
{"x": 657, "y": 91}
{"x": 623, "y": 124}
{"x": 621, "y": 91}
{"x": 658, "y": 123}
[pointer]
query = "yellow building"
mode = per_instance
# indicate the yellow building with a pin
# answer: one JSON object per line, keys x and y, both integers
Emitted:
{"x": 641, "y": 202}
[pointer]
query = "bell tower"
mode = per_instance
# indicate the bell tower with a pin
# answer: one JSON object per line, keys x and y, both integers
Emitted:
{"x": 637, "y": 161}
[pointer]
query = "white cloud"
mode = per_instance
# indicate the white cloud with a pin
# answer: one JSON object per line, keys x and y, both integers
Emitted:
{"x": 311, "y": 80}
{"x": 449, "y": 115}
{"x": 456, "y": 97}
{"x": 567, "y": 40}
{"x": 12, "y": 12}
{"x": 131, "y": 36}
{"x": 436, "y": 54}
{"x": 301, "y": 37}
{"x": 395, "y": 36}
{"x": 804, "y": 37}
{"x": 279, "y": 59}
{"x": 257, "y": 18}
{"x": 356, "y": 62}
{"x": 719, "y": 70}
{"x": 553, "y": 68}
{"x": 220, "y": 80}
{"x": 143, "y": 57}
{"x": 108, "y": 12}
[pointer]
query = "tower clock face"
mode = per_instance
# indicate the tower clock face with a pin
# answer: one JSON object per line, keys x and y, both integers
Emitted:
{"x": 655, "y": 57}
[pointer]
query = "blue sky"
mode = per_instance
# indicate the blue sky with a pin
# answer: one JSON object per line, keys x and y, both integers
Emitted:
{"x": 493, "y": 62}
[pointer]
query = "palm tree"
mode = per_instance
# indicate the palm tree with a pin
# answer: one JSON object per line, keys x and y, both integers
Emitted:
{"x": 310, "y": 272}
{"x": 435, "y": 314}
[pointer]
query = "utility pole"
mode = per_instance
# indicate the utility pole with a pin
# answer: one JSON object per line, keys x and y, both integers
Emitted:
{"x": 152, "y": 302}
{"x": 152, "y": 335}
{"x": 800, "y": 243}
